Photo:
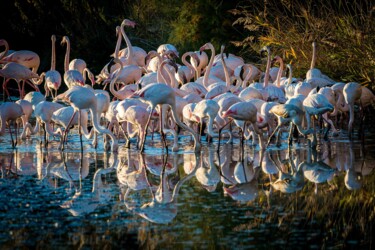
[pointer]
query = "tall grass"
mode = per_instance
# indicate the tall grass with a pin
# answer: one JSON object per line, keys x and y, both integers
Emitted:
{"x": 343, "y": 30}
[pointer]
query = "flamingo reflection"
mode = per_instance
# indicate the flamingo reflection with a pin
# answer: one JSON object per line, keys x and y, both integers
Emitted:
{"x": 162, "y": 208}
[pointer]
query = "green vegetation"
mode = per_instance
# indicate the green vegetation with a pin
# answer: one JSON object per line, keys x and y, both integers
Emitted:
{"x": 343, "y": 30}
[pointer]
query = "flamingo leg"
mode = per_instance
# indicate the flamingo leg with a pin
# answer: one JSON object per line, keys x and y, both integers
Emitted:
{"x": 45, "y": 135}
{"x": 6, "y": 89}
{"x": 127, "y": 144}
{"x": 67, "y": 130}
{"x": 290, "y": 138}
{"x": 145, "y": 131}
{"x": 273, "y": 133}
{"x": 11, "y": 136}
{"x": 162, "y": 134}
{"x": 79, "y": 130}
{"x": 229, "y": 122}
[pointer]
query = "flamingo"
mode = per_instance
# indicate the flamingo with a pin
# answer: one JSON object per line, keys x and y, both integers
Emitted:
{"x": 270, "y": 91}
{"x": 20, "y": 74}
{"x": 162, "y": 208}
{"x": 52, "y": 77}
{"x": 27, "y": 110}
{"x": 158, "y": 94}
{"x": 72, "y": 77}
{"x": 291, "y": 113}
{"x": 62, "y": 117}
{"x": 27, "y": 58}
{"x": 208, "y": 174}
{"x": 34, "y": 98}
{"x": 84, "y": 98}
{"x": 207, "y": 108}
{"x": 352, "y": 93}
{"x": 131, "y": 54}
{"x": 43, "y": 112}
{"x": 10, "y": 112}
{"x": 316, "y": 104}
{"x": 314, "y": 76}
{"x": 4, "y": 43}
{"x": 247, "y": 112}
{"x": 162, "y": 49}
{"x": 199, "y": 64}
{"x": 135, "y": 115}
{"x": 186, "y": 73}
{"x": 101, "y": 193}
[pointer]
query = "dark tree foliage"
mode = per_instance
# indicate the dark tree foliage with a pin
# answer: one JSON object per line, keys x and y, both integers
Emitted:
{"x": 90, "y": 25}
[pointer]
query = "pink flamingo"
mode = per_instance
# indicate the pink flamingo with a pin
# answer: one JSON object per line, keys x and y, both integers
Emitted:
{"x": 247, "y": 112}
{"x": 27, "y": 58}
{"x": 72, "y": 77}
{"x": 20, "y": 74}
{"x": 84, "y": 98}
{"x": 52, "y": 77}
{"x": 316, "y": 104}
{"x": 9, "y": 112}
{"x": 159, "y": 94}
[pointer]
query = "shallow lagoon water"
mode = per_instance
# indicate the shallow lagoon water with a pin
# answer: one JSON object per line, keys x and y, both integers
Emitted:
{"x": 227, "y": 199}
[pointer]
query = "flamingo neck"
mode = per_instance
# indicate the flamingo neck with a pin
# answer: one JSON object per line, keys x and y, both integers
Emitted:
{"x": 67, "y": 54}
{"x": 101, "y": 130}
{"x": 226, "y": 73}
{"x": 3, "y": 54}
{"x": 208, "y": 69}
{"x": 112, "y": 84}
{"x": 197, "y": 145}
{"x": 280, "y": 72}
{"x": 267, "y": 76}
{"x": 183, "y": 59}
{"x": 210, "y": 130}
{"x": 313, "y": 60}
{"x": 186, "y": 178}
{"x": 53, "y": 57}
{"x": 290, "y": 77}
{"x": 118, "y": 43}
{"x": 129, "y": 58}
{"x": 248, "y": 76}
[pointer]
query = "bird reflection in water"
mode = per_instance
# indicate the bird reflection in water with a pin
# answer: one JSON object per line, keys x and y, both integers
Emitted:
{"x": 86, "y": 202}
{"x": 290, "y": 178}
{"x": 162, "y": 208}
{"x": 316, "y": 171}
{"x": 240, "y": 176}
{"x": 207, "y": 173}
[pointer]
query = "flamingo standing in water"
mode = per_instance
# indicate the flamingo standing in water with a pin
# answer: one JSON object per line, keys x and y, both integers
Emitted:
{"x": 20, "y": 74}
{"x": 316, "y": 104}
{"x": 84, "y": 98}
{"x": 9, "y": 112}
{"x": 247, "y": 112}
{"x": 159, "y": 94}
{"x": 292, "y": 113}
{"x": 352, "y": 93}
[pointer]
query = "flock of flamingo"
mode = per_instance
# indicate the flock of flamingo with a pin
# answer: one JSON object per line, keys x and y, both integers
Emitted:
{"x": 152, "y": 92}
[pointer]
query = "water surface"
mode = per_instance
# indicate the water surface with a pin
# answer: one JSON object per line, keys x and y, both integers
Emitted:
{"x": 234, "y": 198}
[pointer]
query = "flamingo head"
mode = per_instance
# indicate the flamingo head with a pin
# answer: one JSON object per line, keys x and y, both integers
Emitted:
{"x": 128, "y": 22}
{"x": 229, "y": 113}
{"x": 56, "y": 85}
{"x": 275, "y": 59}
{"x": 65, "y": 39}
{"x": 171, "y": 54}
{"x": 265, "y": 49}
{"x": 204, "y": 47}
